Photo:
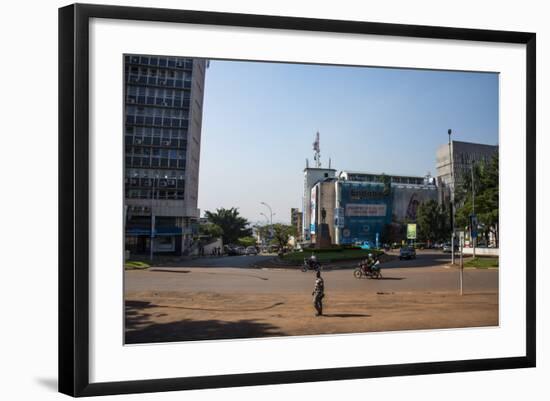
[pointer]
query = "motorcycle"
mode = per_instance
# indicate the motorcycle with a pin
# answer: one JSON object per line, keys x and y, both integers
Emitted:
{"x": 368, "y": 269}
{"x": 311, "y": 263}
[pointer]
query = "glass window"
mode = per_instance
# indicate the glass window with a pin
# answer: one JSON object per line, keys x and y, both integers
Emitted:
{"x": 154, "y": 61}
{"x": 144, "y": 60}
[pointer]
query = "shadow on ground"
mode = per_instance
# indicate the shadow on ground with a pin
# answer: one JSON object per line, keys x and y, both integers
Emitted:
{"x": 139, "y": 330}
{"x": 345, "y": 315}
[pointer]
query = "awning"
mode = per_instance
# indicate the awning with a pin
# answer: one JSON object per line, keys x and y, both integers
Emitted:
{"x": 159, "y": 231}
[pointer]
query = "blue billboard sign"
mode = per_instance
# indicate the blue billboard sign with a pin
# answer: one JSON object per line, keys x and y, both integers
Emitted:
{"x": 367, "y": 209}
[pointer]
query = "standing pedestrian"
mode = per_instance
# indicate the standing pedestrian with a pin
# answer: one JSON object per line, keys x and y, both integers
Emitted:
{"x": 318, "y": 294}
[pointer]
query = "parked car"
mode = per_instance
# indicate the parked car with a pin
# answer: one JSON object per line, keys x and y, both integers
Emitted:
{"x": 230, "y": 250}
{"x": 251, "y": 250}
{"x": 407, "y": 252}
{"x": 447, "y": 247}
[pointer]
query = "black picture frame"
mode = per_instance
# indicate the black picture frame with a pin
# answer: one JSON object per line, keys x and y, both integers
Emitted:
{"x": 74, "y": 201}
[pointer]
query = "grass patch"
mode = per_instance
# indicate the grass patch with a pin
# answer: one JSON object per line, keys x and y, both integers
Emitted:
{"x": 136, "y": 264}
{"x": 325, "y": 256}
{"x": 482, "y": 263}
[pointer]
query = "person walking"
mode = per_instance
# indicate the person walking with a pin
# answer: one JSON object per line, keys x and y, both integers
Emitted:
{"x": 318, "y": 294}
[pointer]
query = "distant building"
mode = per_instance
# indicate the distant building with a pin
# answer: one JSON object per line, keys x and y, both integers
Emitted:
{"x": 357, "y": 206}
{"x": 464, "y": 155}
{"x": 374, "y": 177}
{"x": 162, "y": 135}
{"x": 359, "y": 210}
{"x": 296, "y": 221}
{"x": 312, "y": 175}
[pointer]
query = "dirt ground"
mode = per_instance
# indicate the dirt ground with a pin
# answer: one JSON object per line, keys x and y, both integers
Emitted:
{"x": 156, "y": 316}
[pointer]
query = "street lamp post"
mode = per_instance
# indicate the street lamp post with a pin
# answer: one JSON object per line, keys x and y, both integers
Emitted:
{"x": 270, "y": 219}
{"x": 452, "y": 200}
{"x": 270, "y": 212}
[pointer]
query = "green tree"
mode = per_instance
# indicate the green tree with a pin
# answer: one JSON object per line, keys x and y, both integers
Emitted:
{"x": 428, "y": 218}
{"x": 247, "y": 241}
{"x": 433, "y": 221}
{"x": 264, "y": 232}
{"x": 484, "y": 199}
{"x": 486, "y": 203}
{"x": 282, "y": 233}
{"x": 210, "y": 229}
{"x": 233, "y": 226}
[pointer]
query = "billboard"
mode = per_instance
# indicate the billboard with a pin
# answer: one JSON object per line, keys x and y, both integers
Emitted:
{"x": 339, "y": 218}
{"x": 313, "y": 210}
{"x": 411, "y": 231}
{"x": 406, "y": 201}
{"x": 367, "y": 209}
{"x": 359, "y": 210}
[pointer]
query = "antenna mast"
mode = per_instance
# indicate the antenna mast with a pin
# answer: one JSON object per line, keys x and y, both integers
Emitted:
{"x": 317, "y": 149}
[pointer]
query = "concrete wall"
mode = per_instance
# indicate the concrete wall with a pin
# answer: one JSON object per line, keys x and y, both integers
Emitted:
{"x": 326, "y": 200}
{"x": 481, "y": 251}
{"x": 311, "y": 177}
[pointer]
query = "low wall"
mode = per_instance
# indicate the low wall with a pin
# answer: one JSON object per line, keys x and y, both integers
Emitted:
{"x": 481, "y": 251}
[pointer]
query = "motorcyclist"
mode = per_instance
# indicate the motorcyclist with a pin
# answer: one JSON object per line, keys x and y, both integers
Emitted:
{"x": 312, "y": 262}
{"x": 367, "y": 263}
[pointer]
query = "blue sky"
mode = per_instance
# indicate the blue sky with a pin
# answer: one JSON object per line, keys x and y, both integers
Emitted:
{"x": 260, "y": 120}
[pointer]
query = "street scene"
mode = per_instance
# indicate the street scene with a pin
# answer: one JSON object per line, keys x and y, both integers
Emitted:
{"x": 214, "y": 301}
{"x": 273, "y": 199}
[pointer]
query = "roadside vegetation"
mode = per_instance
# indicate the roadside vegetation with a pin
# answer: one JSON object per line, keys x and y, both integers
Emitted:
{"x": 135, "y": 265}
{"x": 330, "y": 254}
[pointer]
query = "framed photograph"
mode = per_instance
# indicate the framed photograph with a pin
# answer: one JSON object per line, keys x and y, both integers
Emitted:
{"x": 252, "y": 199}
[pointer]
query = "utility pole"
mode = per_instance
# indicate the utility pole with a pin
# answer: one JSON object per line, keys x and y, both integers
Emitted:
{"x": 270, "y": 219}
{"x": 452, "y": 184}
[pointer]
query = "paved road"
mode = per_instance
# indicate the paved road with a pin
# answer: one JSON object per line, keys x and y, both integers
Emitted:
{"x": 225, "y": 261}
{"x": 225, "y": 298}
{"x": 428, "y": 273}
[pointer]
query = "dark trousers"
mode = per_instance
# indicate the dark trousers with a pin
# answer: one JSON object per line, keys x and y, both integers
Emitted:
{"x": 318, "y": 303}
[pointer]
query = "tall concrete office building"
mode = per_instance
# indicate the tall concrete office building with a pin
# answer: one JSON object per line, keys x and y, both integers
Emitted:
{"x": 162, "y": 134}
{"x": 464, "y": 155}
{"x": 312, "y": 175}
